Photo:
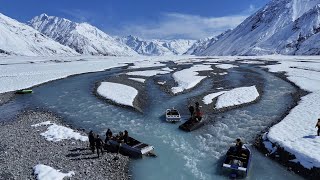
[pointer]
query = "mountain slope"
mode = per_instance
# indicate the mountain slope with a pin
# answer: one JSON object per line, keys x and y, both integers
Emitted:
{"x": 202, "y": 44}
{"x": 82, "y": 37}
{"x": 20, "y": 39}
{"x": 268, "y": 31}
{"x": 157, "y": 47}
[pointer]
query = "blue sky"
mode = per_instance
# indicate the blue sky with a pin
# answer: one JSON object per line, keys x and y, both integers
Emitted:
{"x": 166, "y": 19}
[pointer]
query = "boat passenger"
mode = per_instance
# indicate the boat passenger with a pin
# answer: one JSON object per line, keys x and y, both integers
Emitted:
{"x": 198, "y": 114}
{"x": 318, "y": 125}
{"x": 109, "y": 133}
{"x": 99, "y": 144}
{"x": 191, "y": 110}
{"x": 91, "y": 137}
{"x": 197, "y": 105}
{"x": 126, "y": 137}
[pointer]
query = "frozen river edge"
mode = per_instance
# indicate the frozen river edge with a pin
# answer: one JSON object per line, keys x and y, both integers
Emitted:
{"x": 279, "y": 154}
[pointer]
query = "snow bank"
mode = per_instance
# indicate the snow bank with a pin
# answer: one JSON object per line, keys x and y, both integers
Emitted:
{"x": 57, "y": 133}
{"x": 119, "y": 93}
{"x": 138, "y": 79}
{"x": 233, "y": 97}
{"x": 226, "y": 66}
{"x": 147, "y": 73}
{"x": 188, "y": 78}
{"x": 44, "y": 172}
{"x": 296, "y": 132}
{"x": 46, "y": 123}
{"x": 146, "y": 64}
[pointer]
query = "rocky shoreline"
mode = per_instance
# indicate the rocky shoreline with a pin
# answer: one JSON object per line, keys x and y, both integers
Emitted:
{"x": 22, "y": 147}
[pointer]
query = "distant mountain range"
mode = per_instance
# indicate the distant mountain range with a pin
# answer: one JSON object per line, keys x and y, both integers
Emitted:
{"x": 157, "y": 47}
{"x": 82, "y": 37}
{"x": 288, "y": 27}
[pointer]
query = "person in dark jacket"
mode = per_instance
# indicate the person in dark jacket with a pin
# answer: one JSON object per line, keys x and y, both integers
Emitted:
{"x": 191, "y": 110}
{"x": 99, "y": 145}
{"x": 239, "y": 145}
{"x": 109, "y": 133}
{"x": 197, "y": 105}
{"x": 318, "y": 125}
{"x": 91, "y": 137}
{"x": 126, "y": 137}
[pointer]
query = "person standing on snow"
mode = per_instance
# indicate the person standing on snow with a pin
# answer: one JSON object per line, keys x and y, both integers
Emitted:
{"x": 318, "y": 125}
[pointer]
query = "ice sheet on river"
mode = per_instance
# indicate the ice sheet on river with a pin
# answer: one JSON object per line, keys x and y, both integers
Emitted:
{"x": 226, "y": 66}
{"x": 188, "y": 78}
{"x": 233, "y": 97}
{"x": 149, "y": 73}
{"x": 44, "y": 172}
{"x": 119, "y": 93}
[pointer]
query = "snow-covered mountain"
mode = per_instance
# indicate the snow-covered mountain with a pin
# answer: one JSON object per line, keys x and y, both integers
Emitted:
{"x": 202, "y": 44}
{"x": 82, "y": 37}
{"x": 20, "y": 39}
{"x": 281, "y": 27}
{"x": 157, "y": 47}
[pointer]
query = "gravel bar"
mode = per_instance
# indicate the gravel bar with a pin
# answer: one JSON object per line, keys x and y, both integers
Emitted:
{"x": 22, "y": 147}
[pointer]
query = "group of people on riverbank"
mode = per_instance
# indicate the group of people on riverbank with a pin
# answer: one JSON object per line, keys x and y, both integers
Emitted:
{"x": 96, "y": 143}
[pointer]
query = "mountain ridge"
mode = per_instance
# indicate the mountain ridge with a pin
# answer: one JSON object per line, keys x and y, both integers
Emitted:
{"x": 82, "y": 37}
{"x": 20, "y": 39}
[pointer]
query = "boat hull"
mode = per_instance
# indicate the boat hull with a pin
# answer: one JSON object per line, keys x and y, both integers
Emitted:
{"x": 192, "y": 125}
{"x": 24, "y": 91}
{"x": 172, "y": 115}
{"x": 237, "y": 165}
{"x": 136, "y": 149}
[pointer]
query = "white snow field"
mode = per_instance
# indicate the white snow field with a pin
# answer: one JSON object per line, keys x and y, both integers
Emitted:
{"x": 18, "y": 72}
{"x": 188, "y": 78}
{"x": 233, "y": 97}
{"x": 58, "y": 133}
{"x": 44, "y": 172}
{"x": 119, "y": 93}
{"x": 296, "y": 133}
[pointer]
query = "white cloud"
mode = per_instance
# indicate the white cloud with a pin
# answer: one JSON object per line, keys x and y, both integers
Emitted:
{"x": 79, "y": 15}
{"x": 176, "y": 25}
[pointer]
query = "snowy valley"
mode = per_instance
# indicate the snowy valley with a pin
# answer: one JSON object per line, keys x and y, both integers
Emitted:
{"x": 259, "y": 82}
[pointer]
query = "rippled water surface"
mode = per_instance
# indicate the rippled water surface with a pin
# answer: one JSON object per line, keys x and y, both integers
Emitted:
{"x": 181, "y": 155}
